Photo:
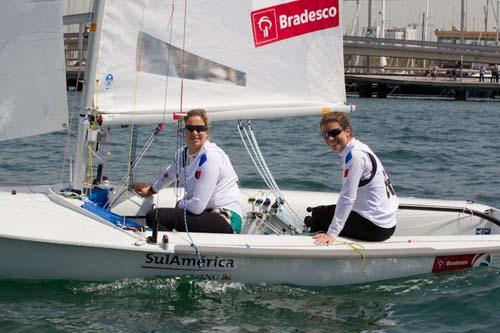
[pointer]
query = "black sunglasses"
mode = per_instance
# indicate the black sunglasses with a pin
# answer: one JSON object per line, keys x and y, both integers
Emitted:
{"x": 331, "y": 133}
{"x": 197, "y": 128}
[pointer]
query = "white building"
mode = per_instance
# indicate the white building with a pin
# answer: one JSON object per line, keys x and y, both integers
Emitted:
{"x": 406, "y": 33}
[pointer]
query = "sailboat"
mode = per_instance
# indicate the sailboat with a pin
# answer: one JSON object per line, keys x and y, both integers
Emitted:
{"x": 148, "y": 63}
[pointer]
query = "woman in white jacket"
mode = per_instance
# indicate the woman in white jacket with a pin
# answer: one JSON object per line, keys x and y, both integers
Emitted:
{"x": 212, "y": 198}
{"x": 367, "y": 205}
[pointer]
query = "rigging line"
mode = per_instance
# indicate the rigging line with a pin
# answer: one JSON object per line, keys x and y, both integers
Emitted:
{"x": 261, "y": 157}
{"x": 251, "y": 155}
{"x": 255, "y": 147}
{"x": 198, "y": 254}
{"x": 178, "y": 160}
{"x": 170, "y": 27}
{"x": 148, "y": 144}
{"x": 89, "y": 169}
{"x": 134, "y": 110}
{"x": 163, "y": 149}
{"x": 285, "y": 203}
{"x": 121, "y": 188}
{"x": 271, "y": 178}
{"x": 183, "y": 67}
{"x": 261, "y": 172}
{"x": 90, "y": 146}
{"x": 133, "y": 153}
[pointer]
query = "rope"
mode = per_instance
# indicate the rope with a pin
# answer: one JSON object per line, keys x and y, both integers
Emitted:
{"x": 132, "y": 130}
{"x": 246, "y": 134}
{"x": 149, "y": 142}
{"x": 240, "y": 127}
{"x": 271, "y": 178}
{"x": 89, "y": 168}
{"x": 163, "y": 150}
{"x": 181, "y": 136}
{"x": 360, "y": 249}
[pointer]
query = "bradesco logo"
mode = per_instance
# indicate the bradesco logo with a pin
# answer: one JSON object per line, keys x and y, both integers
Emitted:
{"x": 292, "y": 19}
{"x": 451, "y": 263}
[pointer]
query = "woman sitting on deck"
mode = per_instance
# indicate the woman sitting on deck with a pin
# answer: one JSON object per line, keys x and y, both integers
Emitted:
{"x": 367, "y": 205}
{"x": 212, "y": 197}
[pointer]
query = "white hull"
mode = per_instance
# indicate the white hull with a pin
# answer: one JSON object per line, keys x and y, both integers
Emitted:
{"x": 44, "y": 260}
{"x": 46, "y": 236}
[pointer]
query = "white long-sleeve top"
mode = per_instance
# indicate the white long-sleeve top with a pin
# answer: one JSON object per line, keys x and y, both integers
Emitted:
{"x": 210, "y": 183}
{"x": 375, "y": 201}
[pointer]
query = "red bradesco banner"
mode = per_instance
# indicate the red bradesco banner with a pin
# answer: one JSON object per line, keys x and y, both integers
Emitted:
{"x": 292, "y": 19}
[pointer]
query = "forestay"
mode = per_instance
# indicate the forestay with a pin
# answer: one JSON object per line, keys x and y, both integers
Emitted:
{"x": 32, "y": 70}
{"x": 239, "y": 59}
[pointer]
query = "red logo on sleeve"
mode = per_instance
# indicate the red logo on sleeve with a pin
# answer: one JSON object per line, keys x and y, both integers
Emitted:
{"x": 197, "y": 174}
{"x": 346, "y": 172}
{"x": 292, "y": 19}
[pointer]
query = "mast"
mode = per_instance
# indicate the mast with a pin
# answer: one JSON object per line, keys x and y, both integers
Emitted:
{"x": 87, "y": 99}
{"x": 426, "y": 21}
{"x": 357, "y": 17}
{"x": 382, "y": 33}
{"x": 486, "y": 14}
{"x": 462, "y": 21}
{"x": 498, "y": 22}
{"x": 368, "y": 58}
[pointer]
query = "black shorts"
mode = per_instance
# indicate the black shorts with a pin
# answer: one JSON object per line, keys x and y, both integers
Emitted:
{"x": 356, "y": 226}
{"x": 173, "y": 218}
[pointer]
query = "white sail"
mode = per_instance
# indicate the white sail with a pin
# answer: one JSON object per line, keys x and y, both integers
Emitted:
{"x": 237, "y": 61}
{"x": 32, "y": 70}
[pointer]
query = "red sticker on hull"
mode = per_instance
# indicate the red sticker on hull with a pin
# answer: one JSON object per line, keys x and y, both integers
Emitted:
{"x": 451, "y": 263}
{"x": 292, "y": 19}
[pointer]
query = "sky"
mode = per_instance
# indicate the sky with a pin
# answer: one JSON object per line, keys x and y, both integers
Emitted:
{"x": 399, "y": 13}
{"x": 442, "y": 14}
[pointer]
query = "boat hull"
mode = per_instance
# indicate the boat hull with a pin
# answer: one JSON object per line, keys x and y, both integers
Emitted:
{"x": 26, "y": 259}
{"x": 47, "y": 236}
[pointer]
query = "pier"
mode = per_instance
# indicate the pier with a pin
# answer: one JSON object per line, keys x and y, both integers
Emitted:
{"x": 382, "y": 86}
{"x": 415, "y": 49}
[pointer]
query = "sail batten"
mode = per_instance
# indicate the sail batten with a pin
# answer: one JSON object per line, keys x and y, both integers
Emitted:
{"x": 150, "y": 65}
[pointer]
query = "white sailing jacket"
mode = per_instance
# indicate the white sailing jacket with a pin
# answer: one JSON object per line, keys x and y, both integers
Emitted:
{"x": 211, "y": 181}
{"x": 373, "y": 199}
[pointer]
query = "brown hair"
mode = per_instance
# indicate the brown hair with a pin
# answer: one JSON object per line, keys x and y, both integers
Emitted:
{"x": 197, "y": 113}
{"x": 339, "y": 117}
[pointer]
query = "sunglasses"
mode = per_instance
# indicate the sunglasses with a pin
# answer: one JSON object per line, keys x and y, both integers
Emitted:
{"x": 331, "y": 133}
{"x": 197, "y": 128}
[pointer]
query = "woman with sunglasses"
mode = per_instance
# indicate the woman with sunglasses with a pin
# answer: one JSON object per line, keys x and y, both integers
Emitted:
{"x": 212, "y": 197}
{"x": 367, "y": 204}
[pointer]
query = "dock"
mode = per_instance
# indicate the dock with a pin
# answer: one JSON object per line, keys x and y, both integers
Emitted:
{"x": 382, "y": 86}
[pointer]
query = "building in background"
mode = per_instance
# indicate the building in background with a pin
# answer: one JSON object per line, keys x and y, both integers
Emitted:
{"x": 406, "y": 33}
{"x": 489, "y": 38}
